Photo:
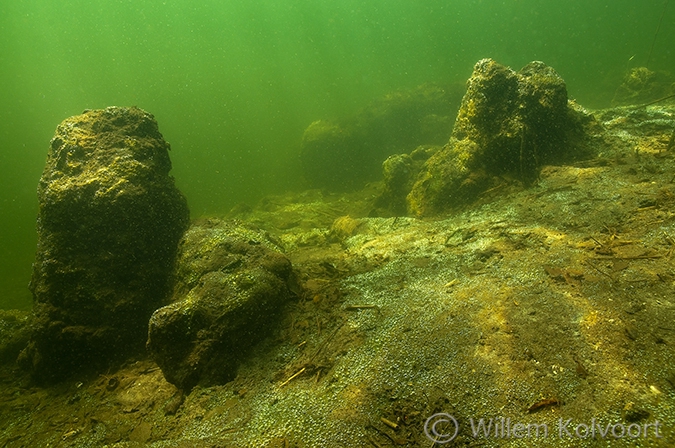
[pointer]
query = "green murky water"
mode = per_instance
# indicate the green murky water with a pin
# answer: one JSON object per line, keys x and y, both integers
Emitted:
{"x": 233, "y": 84}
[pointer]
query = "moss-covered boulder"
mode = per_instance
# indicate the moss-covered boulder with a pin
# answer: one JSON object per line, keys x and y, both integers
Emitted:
{"x": 510, "y": 123}
{"x": 232, "y": 281}
{"x": 109, "y": 223}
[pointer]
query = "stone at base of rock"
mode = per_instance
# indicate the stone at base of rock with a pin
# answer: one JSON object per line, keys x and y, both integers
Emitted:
{"x": 109, "y": 222}
{"x": 232, "y": 284}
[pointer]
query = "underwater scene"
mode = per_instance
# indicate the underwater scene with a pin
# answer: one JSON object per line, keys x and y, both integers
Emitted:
{"x": 303, "y": 223}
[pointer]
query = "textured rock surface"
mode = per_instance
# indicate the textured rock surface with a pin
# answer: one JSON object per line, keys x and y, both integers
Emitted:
{"x": 231, "y": 284}
{"x": 109, "y": 223}
{"x": 509, "y": 124}
{"x": 345, "y": 155}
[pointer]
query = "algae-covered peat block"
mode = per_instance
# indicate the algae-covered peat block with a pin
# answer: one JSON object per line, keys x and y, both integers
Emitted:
{"x": 109, "y": 222}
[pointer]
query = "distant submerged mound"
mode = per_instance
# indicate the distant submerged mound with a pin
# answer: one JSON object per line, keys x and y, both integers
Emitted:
{"x": 344, "y": 155}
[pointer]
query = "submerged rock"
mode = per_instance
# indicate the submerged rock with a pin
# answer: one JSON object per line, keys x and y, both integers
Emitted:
{"x": 109, "y": 223}
{"x": 231, "y": 284}
{"x": 510, "y": 123}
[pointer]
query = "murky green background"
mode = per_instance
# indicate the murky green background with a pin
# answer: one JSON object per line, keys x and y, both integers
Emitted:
{"x": 234, "y": 83}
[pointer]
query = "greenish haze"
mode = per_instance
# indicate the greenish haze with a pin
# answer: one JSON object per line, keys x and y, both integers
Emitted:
{"x": 233, "y": 83}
